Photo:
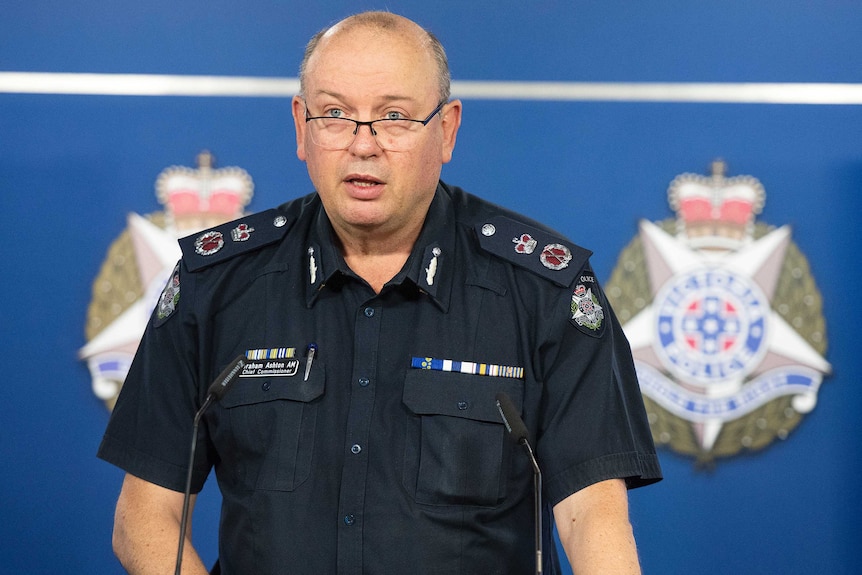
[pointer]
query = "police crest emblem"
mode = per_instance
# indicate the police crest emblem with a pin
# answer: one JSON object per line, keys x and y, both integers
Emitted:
{"x": 586, "y": 310}
{"x": 724, "y": 319}
{"x": 139, "y": 276}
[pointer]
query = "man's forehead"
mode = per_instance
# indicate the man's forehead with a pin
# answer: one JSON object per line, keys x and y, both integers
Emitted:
{"x": 385, "y": 64}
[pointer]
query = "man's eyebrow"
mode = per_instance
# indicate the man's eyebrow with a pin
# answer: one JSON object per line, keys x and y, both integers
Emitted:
{"x": 328, "y": 93}
{"x": 389, "y": 98}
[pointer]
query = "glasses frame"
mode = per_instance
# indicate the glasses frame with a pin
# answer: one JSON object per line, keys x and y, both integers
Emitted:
{"x": 370, "y": 124}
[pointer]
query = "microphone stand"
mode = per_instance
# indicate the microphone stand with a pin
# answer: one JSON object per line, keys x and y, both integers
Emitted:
{"x": 188, "y": 489}
{"x": 518, "y": 431}
{"x": 537, "y": 507}
{"x": 216, "y": 391}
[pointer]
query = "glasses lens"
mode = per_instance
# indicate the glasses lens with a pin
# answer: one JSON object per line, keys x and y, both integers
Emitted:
{"x": 397, "y": 135}
{"x": 339, "y": 133}
{"x": 332, "y": 133}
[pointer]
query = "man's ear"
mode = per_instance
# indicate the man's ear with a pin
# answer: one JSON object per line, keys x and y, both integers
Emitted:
{"x": 299, "y": 124}
{"x": 451, "y": 121}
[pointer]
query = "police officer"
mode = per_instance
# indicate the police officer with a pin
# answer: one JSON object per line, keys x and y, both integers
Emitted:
{"x": 381, "y": 316}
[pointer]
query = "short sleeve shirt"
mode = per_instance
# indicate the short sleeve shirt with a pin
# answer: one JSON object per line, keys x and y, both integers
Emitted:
{"x": 384, "y": 452}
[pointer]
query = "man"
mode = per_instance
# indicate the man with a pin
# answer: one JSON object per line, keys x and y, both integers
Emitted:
{"x": 384, "y": 314}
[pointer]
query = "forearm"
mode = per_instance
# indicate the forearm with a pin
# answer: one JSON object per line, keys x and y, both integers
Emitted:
{"x": 145, "y": 553}
{"x": 146, "y": 531}
{"x": 595, "y": 531}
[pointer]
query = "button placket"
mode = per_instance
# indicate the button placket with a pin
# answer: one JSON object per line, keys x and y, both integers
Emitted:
{"x": 354, "y": 474}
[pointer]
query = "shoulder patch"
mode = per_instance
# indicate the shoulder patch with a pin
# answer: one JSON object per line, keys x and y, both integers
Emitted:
{"x": 169, "y": 298}
{"x": 589, "y": 306}
{"x": 233, "y": 238}
{"x": 537, "y": 250}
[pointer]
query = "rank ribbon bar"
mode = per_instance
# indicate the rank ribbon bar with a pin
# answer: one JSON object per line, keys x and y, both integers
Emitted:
{"x": 470, "y": 367}
{"x": 273, "y": 353}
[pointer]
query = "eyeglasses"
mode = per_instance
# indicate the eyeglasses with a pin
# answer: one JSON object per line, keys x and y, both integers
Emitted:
{"x": 392, "y": 134}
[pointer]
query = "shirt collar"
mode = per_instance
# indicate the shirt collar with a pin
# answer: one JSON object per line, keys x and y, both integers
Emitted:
{"x": 322, "y": 260}
{"x": 429, "y": 266}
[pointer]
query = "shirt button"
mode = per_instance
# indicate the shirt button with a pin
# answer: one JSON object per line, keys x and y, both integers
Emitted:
{"x": 369, "y": 311}
{"x": 462, "y": 405}
{"x": 266, "y": 385}
{"x": 349, "y": 519}
{"x": 363, "y": 382}
{"x": 356, "y": 448}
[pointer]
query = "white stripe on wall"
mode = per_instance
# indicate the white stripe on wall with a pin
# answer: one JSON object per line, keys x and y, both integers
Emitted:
{"x": 260, "y": 87}
{"x": 146, "y": 85}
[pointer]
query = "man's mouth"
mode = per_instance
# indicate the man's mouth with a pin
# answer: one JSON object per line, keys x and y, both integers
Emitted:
{"x": 363, "y": 181}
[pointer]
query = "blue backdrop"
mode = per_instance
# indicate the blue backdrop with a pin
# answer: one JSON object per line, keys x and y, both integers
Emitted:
{"x": 73, "y": 166}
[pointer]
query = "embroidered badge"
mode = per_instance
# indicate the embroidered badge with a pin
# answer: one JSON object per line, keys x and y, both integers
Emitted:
{"x": 241, "y": 233}
{"x": 586, "y": 311}
{"x": 468, "y": 367}
{"x": 555, "y": 256}
{"x": 209, "y": 243}
{"x": 170, "y": 295}
{"x": 525, "y": 244}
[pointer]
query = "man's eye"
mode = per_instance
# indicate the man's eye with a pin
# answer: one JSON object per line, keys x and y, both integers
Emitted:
{"x": 394, "y": 116}
{"x": 335, "y": 113}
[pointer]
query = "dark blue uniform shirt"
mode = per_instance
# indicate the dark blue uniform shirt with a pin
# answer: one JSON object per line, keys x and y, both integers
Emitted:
{"x": 391, "y": 457}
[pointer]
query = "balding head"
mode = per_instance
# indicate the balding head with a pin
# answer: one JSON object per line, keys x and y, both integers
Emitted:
{"x": 384, "y": 23}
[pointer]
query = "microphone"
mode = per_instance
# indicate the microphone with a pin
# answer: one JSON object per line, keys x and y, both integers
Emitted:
{"x": 518, "y": 432}
{"x": 216, "y": 391}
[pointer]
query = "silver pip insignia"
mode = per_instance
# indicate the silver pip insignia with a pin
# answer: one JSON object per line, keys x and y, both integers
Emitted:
{"x": 209, "y": 243}
{"x": 555, "y": 256}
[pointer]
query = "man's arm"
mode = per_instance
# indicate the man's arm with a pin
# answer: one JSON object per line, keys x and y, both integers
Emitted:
{"x": 147, "y": 530}
{"x": 594, "y": 529}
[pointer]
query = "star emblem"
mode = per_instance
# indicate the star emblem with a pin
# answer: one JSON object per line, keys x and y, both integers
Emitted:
{"x": 713, "y": 325}
{"x": 109, "y": 354}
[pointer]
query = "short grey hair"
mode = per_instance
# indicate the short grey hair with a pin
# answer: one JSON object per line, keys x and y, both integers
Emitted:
{"x": 383, "y": 21}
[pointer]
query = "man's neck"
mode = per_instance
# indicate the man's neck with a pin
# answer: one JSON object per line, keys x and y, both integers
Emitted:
{"x": 377, "y": 257}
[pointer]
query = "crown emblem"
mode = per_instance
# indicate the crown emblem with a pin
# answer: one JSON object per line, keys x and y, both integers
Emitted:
{"x": 196, "y": 199}
{"x": 716, "y": 212}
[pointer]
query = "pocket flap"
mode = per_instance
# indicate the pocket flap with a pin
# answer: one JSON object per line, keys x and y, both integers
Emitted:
{"x": 431, "y": 392}
{"x": 251, "y": 390}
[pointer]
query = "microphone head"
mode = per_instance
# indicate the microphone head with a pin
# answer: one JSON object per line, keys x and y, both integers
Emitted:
{"x": 511, "y": 418}
{"x": 227, "y": 377}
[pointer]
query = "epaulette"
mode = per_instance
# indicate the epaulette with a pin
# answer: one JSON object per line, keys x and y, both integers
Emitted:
{"x": 538, "y": 250}
{"x": 233, "y": 238}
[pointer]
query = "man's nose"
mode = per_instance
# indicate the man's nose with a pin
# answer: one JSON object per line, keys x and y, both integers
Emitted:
{"x": 364, "y": 139}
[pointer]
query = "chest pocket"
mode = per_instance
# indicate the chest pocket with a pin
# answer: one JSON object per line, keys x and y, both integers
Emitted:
{"x": 455, "y": 452}
{"x": 272, "y": 422}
